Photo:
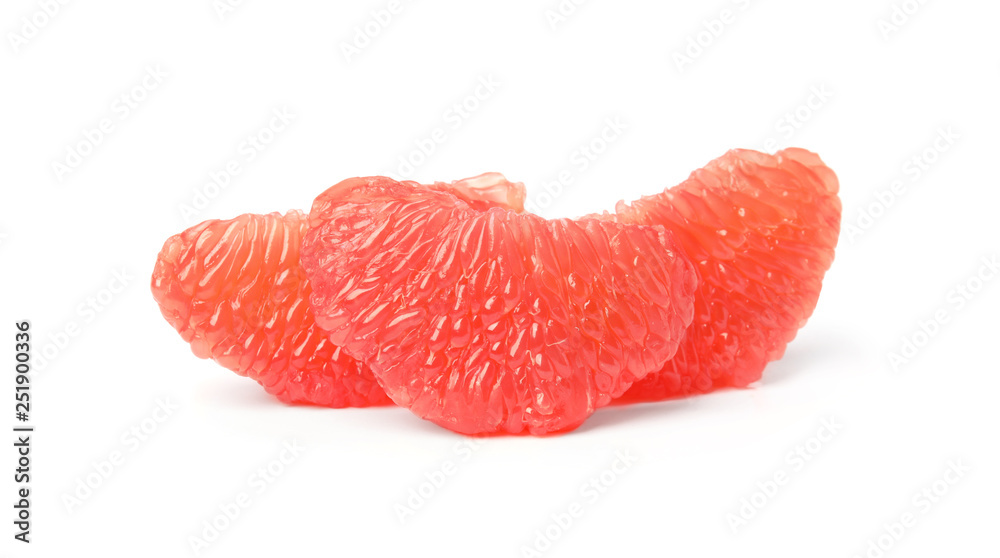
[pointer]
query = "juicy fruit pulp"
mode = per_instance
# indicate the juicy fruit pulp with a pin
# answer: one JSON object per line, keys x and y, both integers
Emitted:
{"x": 486, "y": 320}
{"x": 235, "y": 291}
{"x": 761, "y": 231}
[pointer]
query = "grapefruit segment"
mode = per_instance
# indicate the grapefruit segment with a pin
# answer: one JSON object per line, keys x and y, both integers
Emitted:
{"x": 761, "y": 231}
{"x": 486, "y": 320}
{"x": 235, "y": 291}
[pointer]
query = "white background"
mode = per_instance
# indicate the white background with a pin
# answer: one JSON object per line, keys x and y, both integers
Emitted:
{"x": 66, "y": 235}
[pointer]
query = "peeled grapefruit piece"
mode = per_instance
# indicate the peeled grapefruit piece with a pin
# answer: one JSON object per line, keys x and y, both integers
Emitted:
{"x": 761, "y": 231}
{"x": 485, "y": 320}
{"x": 235, "y": 291}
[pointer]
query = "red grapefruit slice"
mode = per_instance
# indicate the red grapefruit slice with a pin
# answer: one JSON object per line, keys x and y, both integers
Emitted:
{"x": 234, "y": 290}
{"x": 761, "y": 230}
{"x": 490, "y": 321}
